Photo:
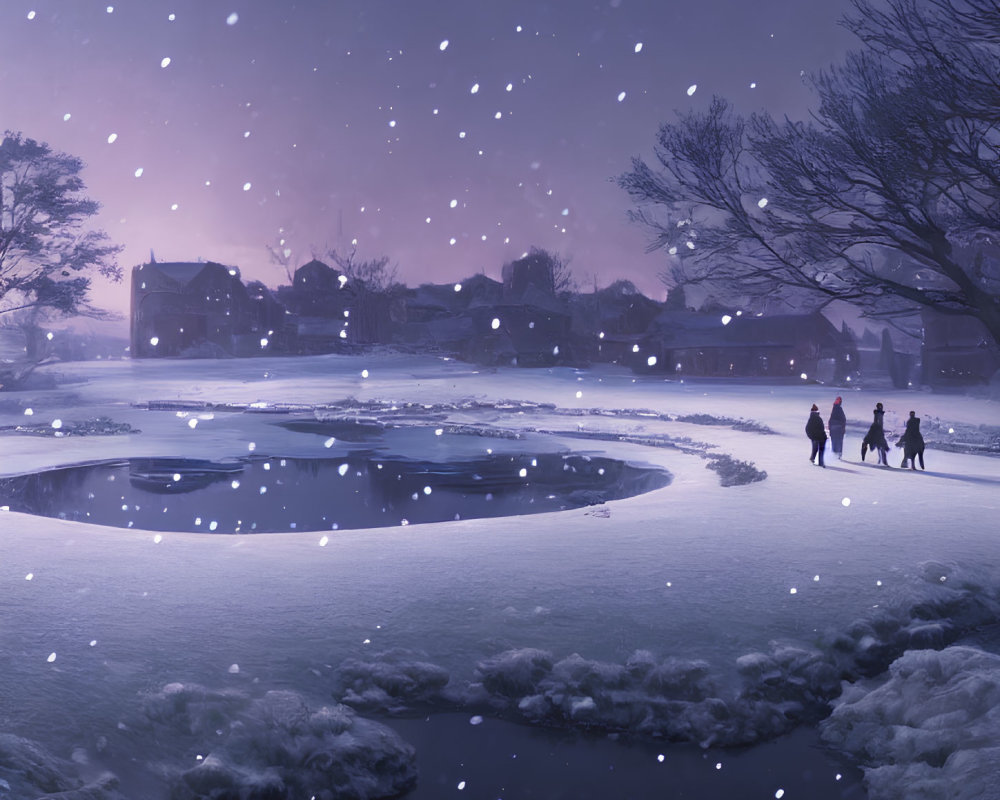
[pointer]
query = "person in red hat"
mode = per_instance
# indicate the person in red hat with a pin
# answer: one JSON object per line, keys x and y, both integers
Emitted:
{"x": 837, "y": 425}
{"x": 817, "y": 435}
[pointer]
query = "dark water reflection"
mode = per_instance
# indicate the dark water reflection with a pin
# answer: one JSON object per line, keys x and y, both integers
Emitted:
{"x": 262, "y": 494}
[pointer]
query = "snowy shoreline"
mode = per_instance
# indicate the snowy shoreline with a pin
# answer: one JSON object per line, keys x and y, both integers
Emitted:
{"x": 700, "y": 612}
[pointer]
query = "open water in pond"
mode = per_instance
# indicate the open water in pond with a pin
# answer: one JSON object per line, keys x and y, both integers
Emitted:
{"x": 267, "y": 494}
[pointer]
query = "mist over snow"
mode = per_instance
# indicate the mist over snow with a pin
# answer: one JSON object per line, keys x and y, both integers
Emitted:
{"x": 700, "y": 612}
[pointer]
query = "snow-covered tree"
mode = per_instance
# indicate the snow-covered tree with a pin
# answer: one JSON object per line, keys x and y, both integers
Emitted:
{"x": 45, "y": 250}
{"x": 889, "y": 198}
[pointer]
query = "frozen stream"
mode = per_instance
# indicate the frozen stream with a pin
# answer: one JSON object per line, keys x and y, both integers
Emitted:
{"x": 712, "y": 614}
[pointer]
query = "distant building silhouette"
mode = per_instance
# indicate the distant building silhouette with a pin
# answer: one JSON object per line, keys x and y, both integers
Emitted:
{"x": 192, "y": 309}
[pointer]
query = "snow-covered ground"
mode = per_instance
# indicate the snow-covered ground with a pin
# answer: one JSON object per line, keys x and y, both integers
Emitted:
{"x": 719, "y": 615}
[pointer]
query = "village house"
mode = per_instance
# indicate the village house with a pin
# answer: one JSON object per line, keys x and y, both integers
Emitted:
{"x": 194, "y": 309}
{"x": 320, "y": 303}
{"x": 719, "y": 345}
{"x": 957, "y": 351}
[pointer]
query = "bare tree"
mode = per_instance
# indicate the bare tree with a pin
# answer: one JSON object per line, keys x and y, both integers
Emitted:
{"x": 280, "y": 255}
{"x": 559, "y": 277}
{"x": 44, "y": 249}
{"x": 889, "y": 198}
{"x": 375, "y": 274}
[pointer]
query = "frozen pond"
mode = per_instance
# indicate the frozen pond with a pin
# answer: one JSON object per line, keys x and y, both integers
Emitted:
{"x": 261, "y": 494}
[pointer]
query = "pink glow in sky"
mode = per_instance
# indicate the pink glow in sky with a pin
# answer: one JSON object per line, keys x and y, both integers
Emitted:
{"x": 449, "y": 135}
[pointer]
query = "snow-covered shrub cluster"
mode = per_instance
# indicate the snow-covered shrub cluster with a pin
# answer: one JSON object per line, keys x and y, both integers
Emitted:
{"x": 930, "y": 728}
{"x": 99, "y": 426}
{"x": 392, "y": 682}
{"x": 684, "y": 699}
{"x": 675, "y": 699}
{"x": 275, "y": 746}
{"x": 733, "y": 472}
{"x": 748, "y": 426}
{"x": 28, "y": 770}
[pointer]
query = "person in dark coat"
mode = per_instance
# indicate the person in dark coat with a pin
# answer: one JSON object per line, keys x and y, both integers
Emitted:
{"x": 875, "y": 438}
{"x": 817, "y": 435}
{"x": 912, "y": 442}
{"x": 837, "y": 425}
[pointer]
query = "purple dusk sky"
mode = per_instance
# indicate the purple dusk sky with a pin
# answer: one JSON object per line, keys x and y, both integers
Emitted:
{"x": 449, "y": 135}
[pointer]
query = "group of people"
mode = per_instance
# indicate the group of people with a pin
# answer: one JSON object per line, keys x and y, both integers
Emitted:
{"x": 912, "y": 441}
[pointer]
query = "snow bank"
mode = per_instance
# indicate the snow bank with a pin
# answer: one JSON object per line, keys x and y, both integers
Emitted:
{"x": 930, "y": 729}
{"x": 229, "y": 744}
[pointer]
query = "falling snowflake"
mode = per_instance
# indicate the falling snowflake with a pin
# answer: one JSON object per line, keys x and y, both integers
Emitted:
{"x": 692, "y": 89}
